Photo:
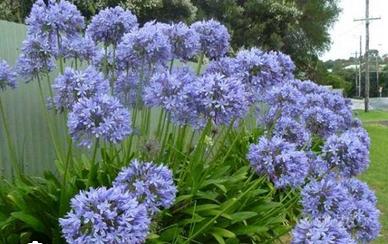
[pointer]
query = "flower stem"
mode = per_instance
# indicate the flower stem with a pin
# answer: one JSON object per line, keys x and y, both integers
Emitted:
{"x": 49, "y": 125}
{"x": 93, "y": 167}
{"x": 200, "y": 62}
{"x": 10, "y": 143}
{"x": 64, "y": 197}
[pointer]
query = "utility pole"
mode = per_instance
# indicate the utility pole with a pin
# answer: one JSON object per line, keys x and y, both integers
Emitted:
{"x": 356, "y": 80}
{"x": 377, "y": 72}
{"x": 360, "y": 69}
{"x": 367, "y": 80}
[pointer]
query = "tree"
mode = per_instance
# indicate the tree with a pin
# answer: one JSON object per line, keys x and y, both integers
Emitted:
{"x": 299, "y": 28}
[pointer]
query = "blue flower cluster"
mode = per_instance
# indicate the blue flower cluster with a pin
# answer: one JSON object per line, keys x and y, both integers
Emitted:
{"x": 214, "y": 38}
{"x": 57, "y": 17}
{"x": 37, "y": 55}
{"x": 347, "y": 153}
{"x": 109, "y": 25}
{"x": 98, "y": 117}
{"x": 150, "y": 184}
{"x": 321, "y": 230}
{"x": 184, "y": 41}
{"x": 145, "y": 47}
{"x": 123, "y": 213}
{"x": 348, "y": 201}
{"x": 48, "y": 25}
{"x": 79, "y": 47}
{"x": 303, "y": 118}
{"x": 7, "y": 76}
{"x": 105, "y": 216}
{"x": 74, "y": 85}
{"x": 196, "y": 100}
{"x": 280, "y": 161}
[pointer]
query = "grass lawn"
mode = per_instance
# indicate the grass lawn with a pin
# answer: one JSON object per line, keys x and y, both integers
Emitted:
{"x": 376, "y": 123}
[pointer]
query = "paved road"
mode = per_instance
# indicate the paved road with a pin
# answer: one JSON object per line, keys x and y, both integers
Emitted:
{"x": 375, "y": 103}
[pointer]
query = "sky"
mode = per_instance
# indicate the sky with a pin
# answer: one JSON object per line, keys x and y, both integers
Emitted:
{"x": 345, "y": 33}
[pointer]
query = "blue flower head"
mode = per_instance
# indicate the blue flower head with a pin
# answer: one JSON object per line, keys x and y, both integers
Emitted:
{"x": 110, "y": 24}
{"x": 57, "y": 18}
{"x": 184, "y": 41}
{"x": 145, "y": 47}
{"x": 37, "y": 56}
{"x": 326, "y": 196}
{"x": 280, "y": 161}
{"x": 321, "y": 230}
{"x": 126, "y": 87}
{"x": 218, "y": 98}
{"x": 151, "y": 184}
{"x": 105, "y": 216}
{"x": 77, "y": 46}
{"x": 99, "y": 117}
{"x": 214, "y": 38}
{"x": 292, "y": 131}
{"x": 363, "y": 221}
{"x": 7, "y": 76}
{"x": 261, "y": 70}
{"x": 346, "y": 153}
{"x": 73, "y": 85}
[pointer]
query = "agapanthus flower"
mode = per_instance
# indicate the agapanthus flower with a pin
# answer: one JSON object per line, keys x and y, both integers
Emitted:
{"x": 65, "y": 18}
{"x": 214, "y": 38}
{"x": 37, "y": 56}
{"x": 147, "y": 46}
{"x": 280, "y": 161}
{"x": 359, "y": 190}
{"x": 225, "y": 65}
{"x": 38, "y": 20}
{"x": 321, "y": 121}
{"x": 322, "y": 230}
{"x": 110, "y": 24}
{"x": 292, "y": 131}
{"x": 283, "y": 100}
{"x": 7, "y": 76}
{"x": 184, "y": 41}
{"x": 319, "y": 96}
{"x": 105, "y": 216}
{"x": 171, "y": 92}
{"x": 56, "y": 18}
{"x": 73, "y": 85}
{"x": 318, "y": 168}
{"x": 339, "y": 105}
{"x": 260, "y": 70}
{"x": 99, "y": 117}
{"x": 80, "y": 47}
{"x": 219, "y": 98}
{"x": 126, "y": 87}
{"x": 151, "y": 184}
{"x": 326, "y": 196}
{"x": 363, "y": 221}
{"x": 346, "y": 153}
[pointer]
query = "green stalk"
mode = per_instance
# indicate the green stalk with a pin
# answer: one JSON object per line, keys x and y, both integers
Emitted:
{"x": 49, "y": 125}
{"x": 61, "y": 66}
{"x": 49, "y": 85}
{"x": 161, "y": 115}
{"x": 165, "y": 134}
{"x": 200, "y": 62}
{"x": 64, "y": 197}
{"x": 171, "y": 65}
{"x": 93, "y": 167}
{"x": 10, "y": 143}
{"x": 113, "y": 71}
